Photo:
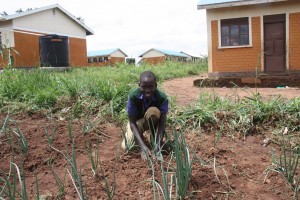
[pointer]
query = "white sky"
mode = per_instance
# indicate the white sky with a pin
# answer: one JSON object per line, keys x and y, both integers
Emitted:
{"x": 134, "y": 26}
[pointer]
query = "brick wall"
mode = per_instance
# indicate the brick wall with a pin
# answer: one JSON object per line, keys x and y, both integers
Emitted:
{"x": 78, "y": 52}
{"x": 112, "y": 61}
{"x": 27, "y": 45}
{"x": 294, "y": 41}
{"x": 154, "y": 60}
{"x": 236, "y": 59}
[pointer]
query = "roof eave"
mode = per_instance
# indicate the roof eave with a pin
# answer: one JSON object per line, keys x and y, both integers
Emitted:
{"x": 236, "y": 3}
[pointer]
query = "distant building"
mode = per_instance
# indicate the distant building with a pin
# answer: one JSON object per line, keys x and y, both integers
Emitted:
{"x": 155, "y": 56}
{"x": 22, "y": 32}
{"x": 191, "y": 58}
{"x": 106, "y": 57}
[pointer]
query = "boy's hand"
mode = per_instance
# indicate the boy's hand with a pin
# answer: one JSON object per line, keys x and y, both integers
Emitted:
{"x": 145, "y": 153}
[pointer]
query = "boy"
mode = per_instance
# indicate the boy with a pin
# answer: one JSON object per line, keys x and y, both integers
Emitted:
{"x": 146, "y": 105}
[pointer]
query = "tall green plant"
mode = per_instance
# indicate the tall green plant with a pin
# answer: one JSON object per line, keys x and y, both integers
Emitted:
{"x": 183, "y": 164}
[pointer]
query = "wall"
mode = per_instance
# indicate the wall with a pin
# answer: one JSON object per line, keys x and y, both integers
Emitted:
{"x": 118, "y": 53}
{"x": 154, "y": 60}
{"x": 153, "y": 53}
{"x": 78, "y": 52}
{"x": 294, "y": 41}
{"x": 52, "y": 21}
{"x": 236, "y": 59}
{"x": 27, "y": 45}
{"x": 111, "y": 62}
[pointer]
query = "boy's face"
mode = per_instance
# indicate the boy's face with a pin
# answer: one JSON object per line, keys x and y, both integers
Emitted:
{"x": 147, "y": 87}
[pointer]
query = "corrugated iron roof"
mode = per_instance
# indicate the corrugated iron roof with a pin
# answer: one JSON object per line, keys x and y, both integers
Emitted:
{"x": 167, "y": 52}
{"x": 172, "y": 53}
{"x": 105, "y": 52}
{"x": 208, "y": 4}
{"x": 36, "y": 10}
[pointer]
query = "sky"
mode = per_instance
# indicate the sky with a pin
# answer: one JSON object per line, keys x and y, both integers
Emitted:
{"x": 134, "y": 26}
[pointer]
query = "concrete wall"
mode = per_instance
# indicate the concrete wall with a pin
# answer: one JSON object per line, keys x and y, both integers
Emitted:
{"x": 153, "y": 53}
{"x": 51, "y": 21}
{"x": 118, "y": 54}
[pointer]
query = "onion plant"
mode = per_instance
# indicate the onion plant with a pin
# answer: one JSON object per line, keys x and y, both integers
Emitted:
{"x": 94, "y": 159}
{"x": 183, "y": 164}
{"x": 60, "y": 182}
{"x": 50, "y": 131}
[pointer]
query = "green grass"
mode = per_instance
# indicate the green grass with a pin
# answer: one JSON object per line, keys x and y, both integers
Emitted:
{"x": 81, "y": 88}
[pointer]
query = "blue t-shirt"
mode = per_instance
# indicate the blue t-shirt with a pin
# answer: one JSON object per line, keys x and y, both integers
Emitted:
{"x": 137, "y": 105}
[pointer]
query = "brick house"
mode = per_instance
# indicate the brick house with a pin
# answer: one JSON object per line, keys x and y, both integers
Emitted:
{"x": 155, "y": 56}
{"x": 106, "y": 57}
{"x": 22, "y": 32}
{"x": 246, "y": 36}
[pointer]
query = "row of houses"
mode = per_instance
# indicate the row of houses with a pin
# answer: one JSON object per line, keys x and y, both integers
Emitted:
{"x": 152, "y": 56}
{"x": 244, "y": 36}
{"x": 35, "y": 38}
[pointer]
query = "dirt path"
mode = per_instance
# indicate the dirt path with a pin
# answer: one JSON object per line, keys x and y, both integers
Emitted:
{"x": 184, "y": 92}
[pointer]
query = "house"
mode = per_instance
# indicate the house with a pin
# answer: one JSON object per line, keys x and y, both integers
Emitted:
{"x": 29, "y": 32}
{"x": 250, "y": 36}
{"x": 191, "y": 58}
{"x": 106, "y": 57}
{"x": 155, "y": 56}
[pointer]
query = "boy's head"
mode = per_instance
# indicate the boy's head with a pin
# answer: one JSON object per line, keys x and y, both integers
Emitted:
{"x": 147, "y": 84}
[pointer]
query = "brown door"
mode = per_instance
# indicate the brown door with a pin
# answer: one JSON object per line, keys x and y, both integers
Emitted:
{"x": 274, "y": 43}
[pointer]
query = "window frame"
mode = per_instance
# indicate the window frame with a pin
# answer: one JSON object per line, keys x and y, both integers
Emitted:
{"x": 235, "y": 46}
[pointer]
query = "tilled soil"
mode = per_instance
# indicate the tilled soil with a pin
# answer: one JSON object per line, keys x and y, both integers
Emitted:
{"x": 240, "y": 170}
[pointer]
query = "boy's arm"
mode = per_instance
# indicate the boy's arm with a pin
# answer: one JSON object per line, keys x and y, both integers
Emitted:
{"x": 137, "y": 134}
{"x": 161, "y": 127}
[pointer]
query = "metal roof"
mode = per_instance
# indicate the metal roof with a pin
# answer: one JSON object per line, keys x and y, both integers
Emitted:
{"x": 33, "y": 11}
{"x": 105, "y": 52}
{"x": 167, "y": 52}
{"x": 208, "y": 4}
{"x": 205, "y": 2}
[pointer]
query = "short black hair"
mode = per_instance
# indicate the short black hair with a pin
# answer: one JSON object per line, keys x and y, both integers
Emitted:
{"x": 147, "y": 74}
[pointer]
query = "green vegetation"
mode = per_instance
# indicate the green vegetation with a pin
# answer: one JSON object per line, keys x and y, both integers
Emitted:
{"x": 82, "y": 89}
{"x": 100, "y": 94}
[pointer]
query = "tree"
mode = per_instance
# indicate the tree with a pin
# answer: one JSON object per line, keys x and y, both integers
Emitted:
{"x": 19, "y": 11}
{"x": 80, "y": 19}
{"x": 3, "y": 13}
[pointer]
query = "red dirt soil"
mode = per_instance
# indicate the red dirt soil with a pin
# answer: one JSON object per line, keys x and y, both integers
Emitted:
{"x": 240, "y": 163}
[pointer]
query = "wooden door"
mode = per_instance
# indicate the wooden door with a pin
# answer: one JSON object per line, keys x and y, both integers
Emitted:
{"x": 274, "y": 43}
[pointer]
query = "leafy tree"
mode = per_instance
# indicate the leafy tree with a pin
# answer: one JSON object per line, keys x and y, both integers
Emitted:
{"x": 3, "y": 13}
{"x": 19, "y": 11}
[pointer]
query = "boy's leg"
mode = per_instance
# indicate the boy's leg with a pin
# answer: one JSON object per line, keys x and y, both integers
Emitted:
{"x": 152, "y": 115}
{"x": 129, "y": 136}
{"x": 151, "y": 118}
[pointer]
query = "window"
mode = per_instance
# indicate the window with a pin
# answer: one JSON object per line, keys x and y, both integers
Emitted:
{"x": 95, "y": 60}
{"x": 89, "y": 60}
{"x": 100, "y": 59}
{"x": 105, "y": 59}
{"x": 235, "y": 32}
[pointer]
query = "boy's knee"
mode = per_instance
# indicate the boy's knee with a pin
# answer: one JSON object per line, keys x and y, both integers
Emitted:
{"x": 152, "y": 112}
